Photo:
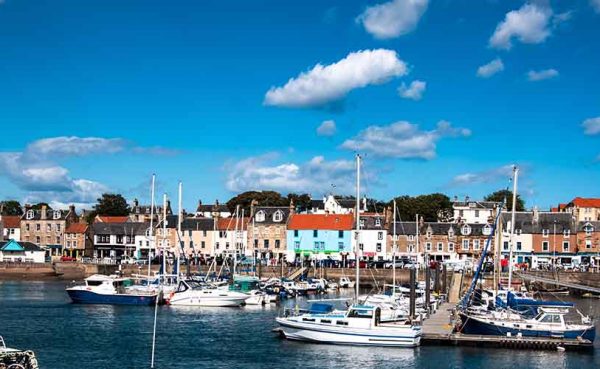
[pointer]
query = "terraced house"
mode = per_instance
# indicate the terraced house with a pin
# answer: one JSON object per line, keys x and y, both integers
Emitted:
{"x": 588, "y": 242}
{"x": 267, "y": 231}
{"x": 320, "y": 236}
{"x": 45, "y": 227}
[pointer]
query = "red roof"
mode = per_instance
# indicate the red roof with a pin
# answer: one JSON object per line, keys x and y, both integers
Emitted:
{"x": 228, "y": 224}
{"x": 586, "y": 202}
{"x": 337, "y": 222}
{"x": 11, "y": 221}
{"x": 110, "y": 219}
{"x": 77, "y": 228}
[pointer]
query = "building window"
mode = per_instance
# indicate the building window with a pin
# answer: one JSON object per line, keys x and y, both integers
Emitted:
{"x": 278, "y": 216}
{"x": 202, "y": 244}
{"x": 340, "y": 246}
{"x": 545, "y": 232}
{"x": 588, "y": 244}
{"x": 38, "y": 240}
{"x": 465, "y": 230}
{"x": 588, "y": 230}
{"x": 27, "y": 227}
{"x": 361, "y": 246}
{"x": 75, "y": 244}
{"x": 266, "y": 244}
{"x": 518, "y": 232}
{"x": 487, "y": 230}
{"x": 378, "y": 222}
{"x": 255, "y": 244}
{"x": 316, "y": 245}
{"x": 277, "y": 244}
{"x": 451, "y": 232}
{"x": 189, "y": 233}
{"x": 566, "y": 233}
{"x": 476, "y": 213}
{"x": 260, "y": 216}
{"x": 428, "y": 246}
{"x": 315, "y": 233}
{"x": 297, "y": 245}
{"x": 378, "y": 247}
{"x": 411, "y": 247}
{"x": 461, "y": 213}
{"x": 545, "y": 246}
{"x": 57, "y": 227}
{"x": 566, "y": 246}
{"x": 29, "y": 214}
{"x": 505, "y": 246}
{"x": 48, "y": 227}
{"x": 322, "y": 245}
{"x": 38, "y": 227}
{"x": 380, "y": 236}
{"x": 465, "y": 245}
{"x": 362, "y": 223}
{"x": 340, "y": 234}
{"x": 56, "y": 214}
{"x": 222, "y": 234}
{"x": 68, "y": 244}
{"x": 226, "y": 245}
{"x": 119, "y": 239}
{"x": 411, "y": 237}
{"x": 217, "y": 245}
{"x": 296, "y": 233}
{"x": 440, "y": 246}
{"x": 103, "y": 238}
{"x": 519, "y": 245}
{"x": 204, "y": 233}
{"x": 450, "y": 247}
{"x": 476, "y": 244}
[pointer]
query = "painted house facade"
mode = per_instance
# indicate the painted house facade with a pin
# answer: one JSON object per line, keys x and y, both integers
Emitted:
{"x": 118, "y": 240}
{"x": 474, "y": 212}
{"x": 11, "y": 227}
{"x": 231, "y": 236}
{"x": 216, "y": 210}
{"x": 372, "y": 237}
{"x": 585, "y": 209}
{"x": 143, "y": 213}
{"x": 20, "y": 251}
{"x": 588, "y": 242}
{"x": 78, "y": 241}
{"x": 320, "y": 236}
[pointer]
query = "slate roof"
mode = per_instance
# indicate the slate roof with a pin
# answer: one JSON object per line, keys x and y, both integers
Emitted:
{"x": 317, "y": 204}
{"x": 123, "y": 229}
{"x": 210, "y": 208}
{"x": 527, "y": 224}
{"x": 346, "y": 203}
{"x": 370, "y": 222}
{"x": 339, "y": 222}
{"x": 269, "y": 211}
{"x": 37, "y": 214}
{"x": 476, "y": 204}
{"x": 409, "y": 228}
{"x": 194, "y": 224}
{"x": 595, "y": 224}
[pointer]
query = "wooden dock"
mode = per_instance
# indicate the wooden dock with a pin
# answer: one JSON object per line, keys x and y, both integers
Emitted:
{"x": 438, "y": 330}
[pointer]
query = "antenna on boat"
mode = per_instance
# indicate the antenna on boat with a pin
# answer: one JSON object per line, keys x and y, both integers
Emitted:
{"x": 357, "y": 243}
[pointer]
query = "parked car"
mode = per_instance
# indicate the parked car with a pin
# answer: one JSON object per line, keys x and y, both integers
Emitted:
{"x": 129, "y": 260}
{"x": 377, "y": 264}
{"x": 390, "y": 264}
{"x": 67, "y": 258}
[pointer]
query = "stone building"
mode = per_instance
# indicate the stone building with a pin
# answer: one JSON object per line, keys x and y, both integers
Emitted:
{"x": 267, "y": 231}
{"x": 46, "y": 227}
{"x": 78, "y": 241}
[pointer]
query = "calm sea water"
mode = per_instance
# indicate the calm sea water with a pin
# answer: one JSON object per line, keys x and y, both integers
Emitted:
{"x": 39, "y": 316}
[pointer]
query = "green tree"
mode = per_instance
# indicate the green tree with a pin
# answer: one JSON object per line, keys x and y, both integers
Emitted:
{"x": 264, "y": 198}
{"x": 502, "y": 195}
{"x": 432, "y": 207}
{"x": 109, "y": 204}
{"x": 11, "y": 207}
{"x": 39, "y": 205}
{"x": 301, "y": 202}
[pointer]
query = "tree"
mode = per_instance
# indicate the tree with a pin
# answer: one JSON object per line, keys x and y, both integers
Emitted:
{"x": 502, "y": 195}
{"x": 39, "y": 205}
{"x": 264, "y": 198}
{"x": 301, "y": 202}
{"x": 111, "y": 205}
{"x": 11, "y": 207}
{"x": 432, "y": 207}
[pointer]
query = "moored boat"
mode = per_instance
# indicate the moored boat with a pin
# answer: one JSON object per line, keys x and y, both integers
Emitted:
{"x": 193, "y": 293}
{"x": 111, "y": 290}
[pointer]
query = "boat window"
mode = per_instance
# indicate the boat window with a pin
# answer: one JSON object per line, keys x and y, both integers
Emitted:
{"x": 325, "y": 321}
{"x": 547, "y": 319}
{"x": 94, "y": 283}
{"x": 528, "y": 326}
{"x": 308, "y": 320}
{"x": 340, "y": 322}
{"x": 360, "y": 313}
{"x": 182, "y": 287}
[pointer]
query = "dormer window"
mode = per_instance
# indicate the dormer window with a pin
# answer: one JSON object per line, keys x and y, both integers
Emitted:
{"x": 56, "y": 214}
{"x": 589, "y": 229}
{"x": 362, "y": 222}
{"x": 451, "y": 232}
{"x": 545, "y": 232}
{"x": 30, "y": 214}
{"x": 278, "y": 216}
{"x": 486, "y": 230}
{"x": 518, "y": 232}
{"x": 465, "y": 230}
{"x": 566, "y": 233}
{"x": 378, "y": 222}
{"x": 260, "y": 216}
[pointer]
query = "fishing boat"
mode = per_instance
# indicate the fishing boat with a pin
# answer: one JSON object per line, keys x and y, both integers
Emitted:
{"x": 359, "y": 325}
{"x": 111, "y": 290}
{"x": 250, "y": 286}
{"x": 194, "y": 293}
{"x": 12, "y": 358}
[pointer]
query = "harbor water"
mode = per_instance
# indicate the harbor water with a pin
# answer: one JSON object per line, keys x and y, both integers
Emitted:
{"x": 39, "y": 316}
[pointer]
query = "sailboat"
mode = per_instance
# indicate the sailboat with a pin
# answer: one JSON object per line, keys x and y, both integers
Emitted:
{"x": 360, "y": 324}
{"x": 550, "y": 320}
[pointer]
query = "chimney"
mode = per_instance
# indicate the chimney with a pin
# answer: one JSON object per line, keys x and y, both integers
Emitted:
{"x": 467, "y": 198}
{"x": 536, "y": 214}
{"x": 292, "y": 207}
{"x": 136, "y": 203}
{"x": 72, "y": 208}
{"x": 253, "y": 203}
{"x": 43, "y": 212}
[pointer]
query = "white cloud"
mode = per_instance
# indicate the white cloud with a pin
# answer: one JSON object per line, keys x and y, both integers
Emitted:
{"x": 491, "y": 68}
{"x": 541, "y": 75}
{"x": 596, "y": 5}
{"x": 591, "y": 126}
{"x": 414, "y": 91}
{"x": 486, "y": 176}
{"x": 316, "y": 176}
{"x": 327, "y": 128}
{"x": 325, "y": 84}
{"x": 394, "y": 18}
{"x": 530, "y": 24}
{"x": 75, "y": 146}
{"x": 403, "y": 140}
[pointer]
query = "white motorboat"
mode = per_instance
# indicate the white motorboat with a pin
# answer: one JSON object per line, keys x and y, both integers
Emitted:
{"x": 14, "y": 358}
{"x": 345, "y": 282}
{"x": 359, "y": 325}
{"x": 192, "y": 293}
{"x": 111, "y": 290}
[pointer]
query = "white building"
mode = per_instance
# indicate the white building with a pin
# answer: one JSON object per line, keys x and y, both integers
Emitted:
{"x": 336, "y": 205}
{"x": 523, "y": 237}
{"x": 11, "y": 227}
{"x": 372, "y": 238}
{"x": 21, "y": 252}
{"x": 215, "y": 210}
{"x": 477, "y": 212}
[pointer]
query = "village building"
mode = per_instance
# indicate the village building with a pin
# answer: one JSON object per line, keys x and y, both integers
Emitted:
{"x": 11, "y": 227}
{"x": 21, "y": 251}
{"x": 215, "y": 210}
{"x": 267, "y": 231}
{"x": 116, "y": 241}
{"x": 78, "y": 241}
{"x": 45, "y": 227}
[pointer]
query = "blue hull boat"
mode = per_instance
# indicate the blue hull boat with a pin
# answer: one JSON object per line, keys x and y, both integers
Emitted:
{"x": 89, "y": 297}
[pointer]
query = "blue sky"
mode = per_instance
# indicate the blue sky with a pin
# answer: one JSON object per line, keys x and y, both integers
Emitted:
{"x": 229, "y": 95}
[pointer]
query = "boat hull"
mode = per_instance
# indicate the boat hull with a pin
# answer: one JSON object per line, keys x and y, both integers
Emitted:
{"x": 89, "y": 297}
{"x": 357, "y": 337}
{"x": 208, "y": 301}
{"x": 473, "y": 325}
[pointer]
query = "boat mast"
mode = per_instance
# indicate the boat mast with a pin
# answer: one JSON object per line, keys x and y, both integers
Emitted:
{"x": 151, "y": 222}
{"x": 394, "y": 253}
{"x": 164, "y": 237}
{"x": 512, "y": 225}
{"x": 357, "y": 243}
{"x": 179, "y": 240}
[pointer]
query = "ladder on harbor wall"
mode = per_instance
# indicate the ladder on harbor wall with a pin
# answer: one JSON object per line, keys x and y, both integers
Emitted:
{"x": 455, "y": 288}
{"x": 297, "y": 273}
